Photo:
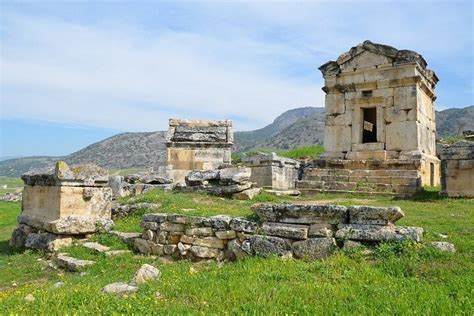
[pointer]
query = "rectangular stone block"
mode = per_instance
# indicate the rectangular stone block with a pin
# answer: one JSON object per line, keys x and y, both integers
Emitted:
{"x": 402, "y": 136}
{"x": 291, "y": 231}
{"x": 335, "y": 103}
{"x": 405, "y": 98}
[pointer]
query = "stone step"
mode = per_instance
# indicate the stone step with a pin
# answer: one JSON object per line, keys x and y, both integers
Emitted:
{"x": 96, "y": 246}
{"x": 71, "y": 264}
{"x": 365, "y": 179}
{"x": 360, "y": 172}
{"x": 329, "y": 186}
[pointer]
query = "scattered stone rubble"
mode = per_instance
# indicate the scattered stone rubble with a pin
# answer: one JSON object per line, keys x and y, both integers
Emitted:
{"x": 233, "y": 182}
{"x": 144, "y": 274}
{"x": 136, "y": 184}
{"x": 62, "y": 203}
{"x": 290, "y": 230}
{"x": 457, "y": 168}
{"x": 12, "y": 197}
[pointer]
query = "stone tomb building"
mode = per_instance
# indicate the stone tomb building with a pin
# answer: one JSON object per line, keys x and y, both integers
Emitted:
{"x": 62, "y": 203}
{"x": 197, "y": 145}
{"x": 380, "y": 123}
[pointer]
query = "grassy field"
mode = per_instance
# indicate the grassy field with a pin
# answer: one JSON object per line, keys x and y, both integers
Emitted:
{"x": 397, "y": 279}
{"x": 13, "y": 185}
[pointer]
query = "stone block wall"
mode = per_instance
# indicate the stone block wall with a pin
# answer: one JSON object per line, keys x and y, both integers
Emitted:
{"x": 293, "y": 230}
{"x": 197, "y": 145}
{"x": 457, "y": 169}
{"x": 61, "y": 203}
{"x": 273, "y": 172}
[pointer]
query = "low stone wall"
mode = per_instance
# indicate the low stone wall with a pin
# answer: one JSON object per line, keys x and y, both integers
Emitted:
{"x": 299, "y": 231}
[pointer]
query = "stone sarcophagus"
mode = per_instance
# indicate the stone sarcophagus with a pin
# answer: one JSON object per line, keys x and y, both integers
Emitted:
{"x": 272, "y": 171}
{"x": 380, "y": 122}
{"x": 61, "y": 203}
{"x": 197, "y": 145}
{"x": 457, "y": 169}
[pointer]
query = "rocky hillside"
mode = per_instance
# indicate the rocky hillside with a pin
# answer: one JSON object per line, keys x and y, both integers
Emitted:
{"x": 294, "y": 128}
{"x": 452, "y": 122}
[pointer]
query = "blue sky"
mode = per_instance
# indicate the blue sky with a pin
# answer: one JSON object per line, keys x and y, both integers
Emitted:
{"x": 75, "y": 72}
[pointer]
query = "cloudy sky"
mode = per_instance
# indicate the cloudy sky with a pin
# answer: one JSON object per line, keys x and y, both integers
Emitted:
{"x": 75, "y": 72}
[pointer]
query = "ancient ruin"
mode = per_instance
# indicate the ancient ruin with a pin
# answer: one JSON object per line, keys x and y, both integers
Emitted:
{"x": 61, "y": 203}
{"x": 380, "y": 124}
{"x": 197, "y": 145}
{"x": 457, "y": 168}
{"x": 272, "y": 171}
{"x": 293, "y": 230}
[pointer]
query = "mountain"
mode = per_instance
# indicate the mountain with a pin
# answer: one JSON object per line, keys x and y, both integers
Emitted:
{"x": 452, "y": 122}
{"x": 252, "y": 139}
{"x": 294, "y": 128}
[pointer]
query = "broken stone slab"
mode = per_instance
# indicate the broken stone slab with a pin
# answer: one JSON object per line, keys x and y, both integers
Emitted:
{"x": 378, "y": 233}
{"x": 248, "y": 194}
{"x": 371, "y": 215}
{"x": 199, "y": 177}
{"x": 156, "y": 217}
{"x": 242, "y": 225}
{"x": 96, "y": 246}
{"x": 149, "y": 178}
{"x": 292, "y": 231}
{"x": 268, "y": 245}
{"x": 204, "y": 252}
{"x": 284, "y": 192}
{"x": 145, "y": 273}
{"x": 114, "y": 253}
{"x": 227, "y": 189}
{"x": 444, "y": 246}
{"x": 119, "y": 288}
{"x": 314, "y": 248}
{"x": 300, "y": 213}
{"x": 70, "y": 263}
{"x": 230, "y": 176}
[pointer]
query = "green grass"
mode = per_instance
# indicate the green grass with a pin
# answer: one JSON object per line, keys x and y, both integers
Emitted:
{"x": 400, "y": 278}
{"x": 13, "y": 185}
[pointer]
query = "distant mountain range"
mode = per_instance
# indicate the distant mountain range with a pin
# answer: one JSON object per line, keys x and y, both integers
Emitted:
{"x": 294, "y": 128}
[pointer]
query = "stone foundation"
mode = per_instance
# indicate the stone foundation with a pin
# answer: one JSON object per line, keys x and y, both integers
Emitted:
{"x": 197, "y": 145}
{"x": 457, "y": 169}
{"x": 61, "y": 203}
{"x": 300, "y": 231}
{"x": 273, "y": 172}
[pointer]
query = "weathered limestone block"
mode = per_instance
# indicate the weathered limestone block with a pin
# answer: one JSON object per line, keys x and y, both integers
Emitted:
{"x": 242, "y": 225}
{"x": 337, "y": 138}
{"x": 268, "y": 245}
{"x": 314, "y": 248}
{"x": 405, "y": 98}
{"x": 228, "y": 189}
{"x": 200, "y": 231}
{"x": 204, "y": 252}
{"x": 444, "y": 246}
{"x": 457, "y": 169}
{"x": 47, "y": 241}
{"x": 96, "y": 246}
{"x": 248, "y": 194}
{"x": 292, "y": 231}
{"x": 198, "y": 177}
{"x": 400, "y": 136}
{"x": 335, "y": 103}
{"x": 378, "y": 233}
{"x": 119, "y": 288}
{"x": 226, "y": 234}
{"x": 209, "y": 242}
{"x": 172, "y": 227}
{"x": 230, "y": 176}
{"x": 300, "y": 213}
{"x": 220, "y": 222}
{"x": 70, "y": 263}
{"x": 320, "y": 230}
{"x": 19, "y": 236}
{"x": 370, "y": 215}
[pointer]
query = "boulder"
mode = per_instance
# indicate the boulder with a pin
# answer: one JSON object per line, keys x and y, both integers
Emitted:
{"x": 314, "y": 248}
{"x": 119, "y": 288}
{"x": 268, "y": 245}
{"x": 378, "y": 233}
{"x": 145, "y": 273}
{"x": 235, "y": 248}
{"x": 292, "y": 231}
{"x": 371, "y": 215}
{"x": 19, "y": 236}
